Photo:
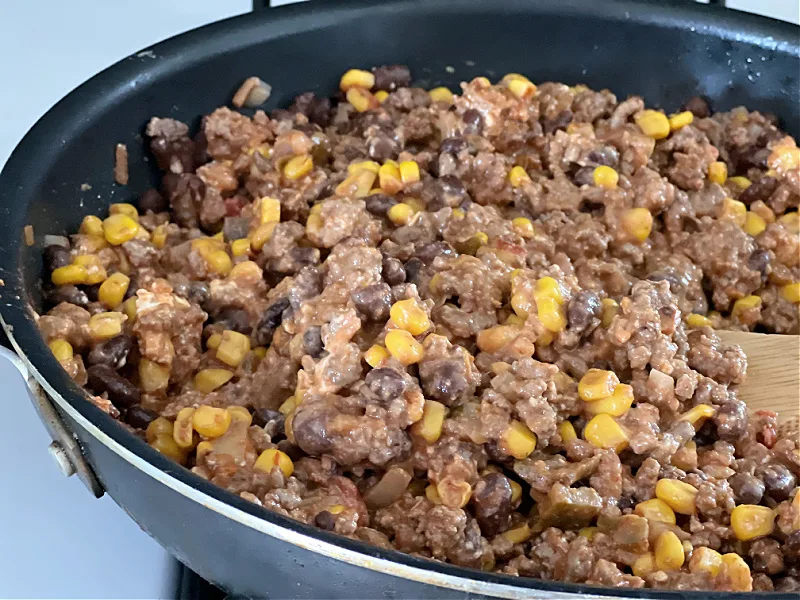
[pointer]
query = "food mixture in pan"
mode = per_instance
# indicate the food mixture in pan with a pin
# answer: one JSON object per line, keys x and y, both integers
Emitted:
{"x": 478, "y": 328}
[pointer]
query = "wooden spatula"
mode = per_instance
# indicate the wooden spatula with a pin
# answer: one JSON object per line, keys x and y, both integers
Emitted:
{"x": 773, "y": 375}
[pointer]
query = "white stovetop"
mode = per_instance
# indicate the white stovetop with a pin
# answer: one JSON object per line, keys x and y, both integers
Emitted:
{"x": 56, "y": 540}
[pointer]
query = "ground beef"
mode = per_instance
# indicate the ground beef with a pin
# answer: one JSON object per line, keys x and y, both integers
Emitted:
{"x": 411, "y": 348}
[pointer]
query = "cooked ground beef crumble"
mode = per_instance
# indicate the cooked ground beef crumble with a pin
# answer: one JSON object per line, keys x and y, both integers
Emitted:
{"x": 478, "y": 328}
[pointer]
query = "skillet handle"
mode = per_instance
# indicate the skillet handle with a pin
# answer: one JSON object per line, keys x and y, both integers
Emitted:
{"x": 64, "y": 448}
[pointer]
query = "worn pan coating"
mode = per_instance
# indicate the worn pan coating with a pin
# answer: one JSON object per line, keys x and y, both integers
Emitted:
{"x": 664, "y": 51}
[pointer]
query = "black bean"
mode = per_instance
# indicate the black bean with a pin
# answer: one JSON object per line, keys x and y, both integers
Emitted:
{"x": 391, "y": 77}
{"x": 731, "y": 420}
{"x": 583, "y": 308}
{"x": 152, "y": 201}
{"x": 200, "y": 155}
{"x": 300, "y": 257}
{"x": 778, "y": 480}
{"x": 491, "y": 500}
{"x": 791, "y": 548}
{"x": 753, "y": 156}
{"x": 68, "y": 293}
{"x": 312, "y": 341}
{"x": 607, "y": 155}
{"x": 413, "y": 267}
{"x": 235, "y": 228}
{"x": 698, "y": 106}
{"x": 379, "y": 204}
{"x": 185, "y": 193}
{"x": 393, "y": 271}
{"x": 56, "y": 256}
{"x": 374, "y": 301}
{"x": 325, "y": 520}
{"x": 386, "y": 384}
{"x": 112, "y": 353}
{"x": 270, "y": 320}
{"x": 198, "y": 292}
{"x": 584, "y": 176}
{"x": 262, "y": 416}
{"x": 428, "y": 252}
{"x": 102, "y": 379}
{"x": 290, "y": 449}
{"x": 560, "y": 121}
{"x": 92, "y": 291}
{"x": 760, "y": 189}
{"x": 444, "y": 380}
{"x": 382, "y": 148}
{"x": 747, "y": 488}
{"x": 310, "y": 431}
{"x": 133, "y": 286}
{"x": 759, "y": 260}
{"x": 139, "y": 417}
{"x": 453, "y": 145}
{"x": 318, "y": 110}
{"x": 322, "y": 149}
{"x": 175, "y": 155}
{"x": 235, "y": 319}
{"x": 473, "y": 122}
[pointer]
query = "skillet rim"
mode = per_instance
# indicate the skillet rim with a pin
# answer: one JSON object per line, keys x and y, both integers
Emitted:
{"x": 101, "y": 92}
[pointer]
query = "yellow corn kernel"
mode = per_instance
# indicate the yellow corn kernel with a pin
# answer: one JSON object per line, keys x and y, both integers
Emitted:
{"x": 597, "y": 384}
{"x": 516, "y": 491}
{"x": 515, "y": 320}
{"x": 123, "y": 208}
{"x": 791, "y": 292}
{"x": 705, "y": 560}
{"x": 679, "y": 495}
{"x": 112, "y": 290}
{"x": 441, "y": 94}
{"x": 416, "y": 204}
{"x": 656, "y": 510}
{"x": 361, "y": 99}
{"x": 458, "y": 213}
{"x": 697, "y": 415}
{"x": 496, "y": 338}
{"x": 381, "y": 96}
{"x": 749, "y": 521}
{"x": 119, "y": 229}
{"x": 718, "y": 172}
{"x": 473, "y": 244}
{"x": 94, "y": 243}
{"x": 211, "y": 422}
{"x": 203, "y": 449}
{"x": 509, "y": 77}
{"x": 763, "y": 211}
{"x": 740, "y": 182}
{"x": 548, "y": 287}
{"x": 644, "y": 565}
{"x": 375, "y": 356}
{"x": 567, "y": 432}
{"x": 654, "y": 124}
{"x": 92, "y": 225}
{"x": 610, "y": 308}
{"x": 288, "y": 406}
{"x": 695, "y": 321}
{"x": 409, "y": 172}
{"x": 523, "y": 226}
{"x": 153, "y": 376}
{"x": 745, "y": 304}
{"x": 103, "y": 326}
{"x": 240, "y": 247}
{"x": 337, "y": 509}
{"x": 551, "y": 314}
{"x": 681, "y": 119}
{"x": 519, "y": 534}
{"x": 159, "y": 426}
{"x": 616, "y": 405}
{"x": 260, "y": 352}
{"x": 61, "y": 349}
{"x": 166, "y": 445}
{"x": 402, "y": 346}
{"x": 69, "y": 275}
{"x": 400, "y": 214}
{"x": 357, "y": 78}
{"x": 735, "y": 211}
{"x": 219, "y": 262}
{"x": 429, "y": 427}
{"x": 262, "y": 235}
{"x": 453, "y": 493}
{"x": 518, "y": 440}
{"x": 297, "y": 167}
{"x": 518, "y": 177}
{"x": 389, "y": 179}
{"x": 588, "y": 532}
{"x": 408, "y": 315}
{"x": 272, "y": 458}
{"x": 207, "y": 380}
{"x": 369, "y": 165}
{"x": 738, "y": 572}
{"x": 240, "y": 414}
{"x": 602, "y": 431}
{"x": 669, "y": 552}
{"x": 159, "y": 237}
{"x": 129, "y": 309}
{"x": 482, "y": 82}
{"x": 246, "y": 271}
{"x": 605, "y": 177}
{"x": 95, "y": 271}
{"x": 233, "y": 347}
{"x": 358, "y": 184}
{"x": 637, "y": 223}
{"x": 270, "y": 208}
{"x": 182, "y": 428}
{"x": 521, "y": 88}
{"x": 784, "y": 157}
{"x": 432, "y": 494}
{"x": 213, "y": 341}
{"x": 791, "y": 221}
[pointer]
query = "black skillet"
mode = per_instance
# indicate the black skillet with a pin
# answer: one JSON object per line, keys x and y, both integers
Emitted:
{"x": 666, "y": 51}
